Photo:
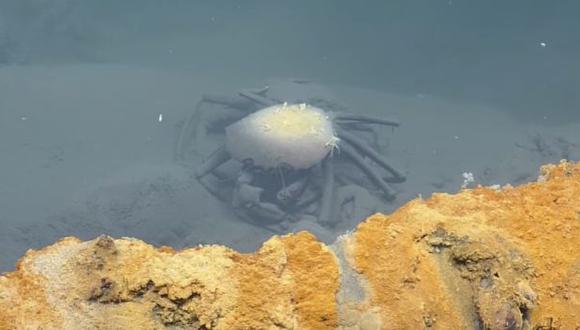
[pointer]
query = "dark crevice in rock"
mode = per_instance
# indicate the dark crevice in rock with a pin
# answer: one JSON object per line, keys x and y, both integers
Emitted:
{"x": 492, "y": 278}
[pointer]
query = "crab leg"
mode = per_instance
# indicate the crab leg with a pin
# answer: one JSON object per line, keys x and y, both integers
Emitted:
{"x": 253, "y": 212}
{"x": 214, "y": 186}
{"x": 217, "y": 158}
{"x": 292, "y": 192}
{"x": 309, "y": 197}
{"x": 355, "y": 126}
{"x": 236, "y": 102}
{"x": 191, "y": 124}
{"x": 187, "y": 131}
{"x": 369, "y": 171}
{"x": 341, "y": 116}
{"x": 327, "y": 191}
{"x": 257, "y": 97}
{"x": 268, "y": 212}
{"x": 365, "y": 149}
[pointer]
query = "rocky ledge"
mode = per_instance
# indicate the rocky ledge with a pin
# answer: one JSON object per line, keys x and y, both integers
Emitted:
{"x": 485, "y": 258}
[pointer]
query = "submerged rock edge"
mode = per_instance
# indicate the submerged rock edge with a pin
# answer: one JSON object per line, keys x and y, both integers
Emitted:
{"x": 483, "y": 257}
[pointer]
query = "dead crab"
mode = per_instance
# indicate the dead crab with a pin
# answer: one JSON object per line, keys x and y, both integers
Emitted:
{"x": 277, "y": 162}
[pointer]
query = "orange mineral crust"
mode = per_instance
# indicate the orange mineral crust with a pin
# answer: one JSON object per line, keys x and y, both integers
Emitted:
{"x": 484, "y": 258}
{"x": 291, "y": 282}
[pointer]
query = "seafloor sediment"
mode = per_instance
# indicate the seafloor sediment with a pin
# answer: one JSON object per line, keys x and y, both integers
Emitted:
{"x": 485, "y": 258}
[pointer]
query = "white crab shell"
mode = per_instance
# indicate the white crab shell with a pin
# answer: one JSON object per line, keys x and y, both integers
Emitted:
{"x": 298, "y": 135}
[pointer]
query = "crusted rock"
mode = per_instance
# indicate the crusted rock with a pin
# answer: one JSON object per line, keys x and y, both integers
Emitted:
{"x": 483, "y": 259}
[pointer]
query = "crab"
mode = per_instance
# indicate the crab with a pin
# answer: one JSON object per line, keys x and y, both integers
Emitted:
{"x": 278, "y": 160}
